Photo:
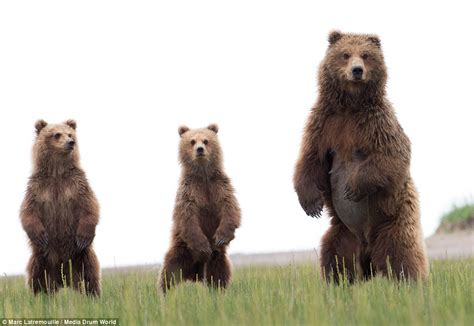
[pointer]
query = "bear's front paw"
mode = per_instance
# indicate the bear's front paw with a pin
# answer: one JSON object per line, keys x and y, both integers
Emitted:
{"x": 221, "y": 240}
{"x": 206, "y": 253}
{"x": 41, "y": 240}
{"x": 202, "y": 252}
{"x": 82, "y": 242}
{"x": 312, "y": 206}
{"x": 352, "y": 194}
{"x": 357, "y": 191}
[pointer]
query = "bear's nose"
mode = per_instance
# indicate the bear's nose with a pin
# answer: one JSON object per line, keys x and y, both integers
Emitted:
{"x": 200, "y": 150}
{"x": 71, "y": 143}
{"x": 357, "y": 72}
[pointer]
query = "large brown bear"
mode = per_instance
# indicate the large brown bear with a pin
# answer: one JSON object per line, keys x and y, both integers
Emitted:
{"x": 59, "y": 214}
{"x": 205, "y": 216}
{"x": 355, "y": 161}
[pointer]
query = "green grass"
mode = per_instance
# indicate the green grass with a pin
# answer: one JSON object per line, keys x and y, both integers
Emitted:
{"x": 291, "y": 295}
{"x": 458, "y": 214}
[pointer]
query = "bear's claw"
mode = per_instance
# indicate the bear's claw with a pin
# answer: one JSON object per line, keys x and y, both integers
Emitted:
{"x": 220, "y": 242}
{"x": 82, "y": 242}
{"x": 43, "y": 240}
{"x": 204, "y": 254}
{"x": 313, "y": 209}
{"x": 352, "y": 195}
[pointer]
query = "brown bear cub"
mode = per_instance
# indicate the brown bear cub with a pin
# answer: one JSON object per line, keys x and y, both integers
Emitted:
{"x": 205, "y": 216}
{"x": 355, "y": 161}
{"x": 60, "y": 214}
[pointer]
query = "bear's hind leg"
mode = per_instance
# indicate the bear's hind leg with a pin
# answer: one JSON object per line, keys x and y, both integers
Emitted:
{"x": 218, "y": 270}
{"x": 39, "y": 277}
{"x": 177, "y": 267}
{"x": 340, "y": 253}
{"x": 197, "y": 272}
{"x": 86, "y": 270}
{"x": 396, "y": 252}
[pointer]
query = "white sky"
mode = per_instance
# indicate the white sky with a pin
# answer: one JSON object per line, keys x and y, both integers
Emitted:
{"x": 131, "y": 72}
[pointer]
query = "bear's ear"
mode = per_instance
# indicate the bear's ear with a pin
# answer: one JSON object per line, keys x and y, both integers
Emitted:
{"x": 375, "y": 39}
{"x": 334, "y": 36}
{"x": 214, "y": 127}
{"x": 71, "y": 123}
{"x": 182, "y": 130}
{"x": 39, "y": 125}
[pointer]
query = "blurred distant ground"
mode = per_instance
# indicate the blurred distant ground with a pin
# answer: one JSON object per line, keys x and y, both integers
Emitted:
{"x": 454, "y": 238}
{"x": 455, "y": 234}
{"x": 459, "y": 218}
{"x": 458, "y": 244}
{"x": 442, "y": 245}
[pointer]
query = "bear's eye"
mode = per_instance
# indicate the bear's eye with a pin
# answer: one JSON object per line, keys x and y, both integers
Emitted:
{"x": 193, "y": 142}
{"x": 205, "y": 141}
{"x": 346, "y": 56}
{"x": 365, "y": 56}
{"x": 57, "y": 135}
{"x": 70, "y": 135}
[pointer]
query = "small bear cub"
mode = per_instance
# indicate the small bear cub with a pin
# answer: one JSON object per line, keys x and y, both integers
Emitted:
{"x": 59, "y": 214}
{"x": 206, "y": 214}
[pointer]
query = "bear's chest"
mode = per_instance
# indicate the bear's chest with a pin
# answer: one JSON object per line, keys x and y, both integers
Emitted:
{"x": 56, "y": 194}
{"x": 54, "y": 190}
{"x": 205, "y": 196}
{"x": 349, "y": 139}
{"x": 57, "y": 200}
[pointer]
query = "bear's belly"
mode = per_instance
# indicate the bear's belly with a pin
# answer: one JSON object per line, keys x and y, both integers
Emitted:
{"x": 60, "y": 223}
{"x": 357, "y": 216}
{"x": 208, "y": 221}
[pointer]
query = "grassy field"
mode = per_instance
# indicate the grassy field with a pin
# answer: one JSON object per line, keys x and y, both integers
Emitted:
{"x": 291, "y": 295}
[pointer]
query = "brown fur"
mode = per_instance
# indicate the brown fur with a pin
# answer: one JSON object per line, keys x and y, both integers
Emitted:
{"x": 355, "y": 161}
{"x": 206, "y": 214}
{"x": 59, "y": 214}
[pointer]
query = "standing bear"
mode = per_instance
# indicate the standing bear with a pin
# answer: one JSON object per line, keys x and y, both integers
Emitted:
{"x": 355, "y": 161}
{"x": 205, "y": 216}
{"x": 59, "y": 214}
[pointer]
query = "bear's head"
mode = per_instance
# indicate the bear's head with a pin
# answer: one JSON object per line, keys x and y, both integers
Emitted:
{"x": 199, "y": 146}
{"x": 56, "y": 138}
{"x": 354, "y": 62}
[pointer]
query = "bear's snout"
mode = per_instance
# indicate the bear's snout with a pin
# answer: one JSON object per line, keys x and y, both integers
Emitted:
{"x": 200, "y": 151}
{"x": 357, "y": 72}
{"x": 70, "y": 144}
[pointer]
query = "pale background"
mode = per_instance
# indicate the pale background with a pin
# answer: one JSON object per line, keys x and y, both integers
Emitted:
{"x": 131, "y": 72}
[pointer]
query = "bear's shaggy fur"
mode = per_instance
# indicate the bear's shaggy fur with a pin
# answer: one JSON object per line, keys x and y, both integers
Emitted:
{"x": 205, "y": 216}
{"x": 59, "y": 214}
{"x": 355, "y": 161}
